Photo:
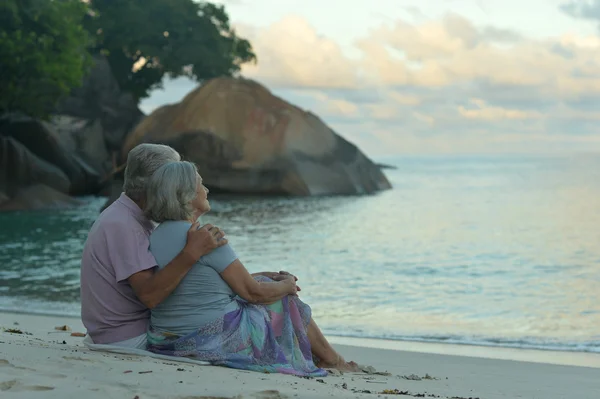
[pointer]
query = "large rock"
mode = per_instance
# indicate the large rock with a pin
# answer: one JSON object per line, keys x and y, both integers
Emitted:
{"x": 75, "y": 151}
{"x": 3, "y": 198}
{"x": 19, "y": 168}
{"x": 246, "y": 140}
{"x": 84, "y": 139}
{"x": 41, "y": 140}
{"x": 100, "y": 98}
{"x": 37, "y": 197}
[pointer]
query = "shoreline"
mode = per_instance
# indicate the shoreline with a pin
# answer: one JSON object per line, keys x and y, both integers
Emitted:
{"x": 547, "y": 356}
{"x": 48, "y": 363}
{"x": 564, "y": 358}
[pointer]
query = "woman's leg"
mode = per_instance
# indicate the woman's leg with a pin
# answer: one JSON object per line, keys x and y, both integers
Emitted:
{"x": 322, "y": 349}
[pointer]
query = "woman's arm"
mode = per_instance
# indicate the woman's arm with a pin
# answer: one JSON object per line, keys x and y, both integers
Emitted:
{"x": 275, "y": 276}
{"x": 244, "y": 285}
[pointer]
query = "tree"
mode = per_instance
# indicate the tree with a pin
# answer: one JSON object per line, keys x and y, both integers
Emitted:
{"x": 42, "y": 53}
{"x": 144, "y": 40}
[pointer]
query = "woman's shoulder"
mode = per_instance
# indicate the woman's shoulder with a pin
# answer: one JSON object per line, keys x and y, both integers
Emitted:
{"x": 173, "y": 225}
{"x": 168, "y": 239}
{"x": 171, "y": 228}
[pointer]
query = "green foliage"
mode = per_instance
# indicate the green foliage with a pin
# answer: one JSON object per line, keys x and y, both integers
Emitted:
{"x": 44, "y": 46}
{"x": 144, "y": 40}
{"x": 42, "y": 53}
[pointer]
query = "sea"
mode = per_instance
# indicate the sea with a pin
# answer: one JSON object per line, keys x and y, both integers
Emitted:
{"x": 492, "y": 250}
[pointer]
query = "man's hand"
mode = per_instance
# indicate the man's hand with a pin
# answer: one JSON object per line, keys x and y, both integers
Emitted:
{"x": 154, "y": 287}
{"x": 203, "y": 240}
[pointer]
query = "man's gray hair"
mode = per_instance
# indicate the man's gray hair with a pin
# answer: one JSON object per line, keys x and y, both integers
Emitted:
{"x": 142, "y": 161}
{"x": 171, "y": 190}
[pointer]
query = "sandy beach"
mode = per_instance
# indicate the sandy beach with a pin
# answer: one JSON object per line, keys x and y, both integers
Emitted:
{"x": 43, "y": 362}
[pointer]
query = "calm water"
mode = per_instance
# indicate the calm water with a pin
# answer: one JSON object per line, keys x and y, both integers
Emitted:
{"x": 492, "y": 250}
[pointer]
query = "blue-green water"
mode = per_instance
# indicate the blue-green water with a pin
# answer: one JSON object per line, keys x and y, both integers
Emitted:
{"x": 476, "y": 250}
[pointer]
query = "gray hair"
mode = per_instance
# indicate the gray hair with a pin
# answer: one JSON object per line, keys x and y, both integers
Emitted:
{"x": 171, "y": 190}
{"x": 142, "y": 161}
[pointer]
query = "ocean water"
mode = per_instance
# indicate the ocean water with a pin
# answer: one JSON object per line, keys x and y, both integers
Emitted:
{"x": 490, "y": 250}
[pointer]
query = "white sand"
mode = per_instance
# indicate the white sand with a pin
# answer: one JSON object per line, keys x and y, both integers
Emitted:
{"x": 53, "y": 364}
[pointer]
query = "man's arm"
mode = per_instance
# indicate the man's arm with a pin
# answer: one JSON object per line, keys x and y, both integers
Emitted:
{"x": 154, "y": 287}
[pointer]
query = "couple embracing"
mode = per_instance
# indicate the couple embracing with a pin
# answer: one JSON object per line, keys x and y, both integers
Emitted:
{"x": 152, "y": 278}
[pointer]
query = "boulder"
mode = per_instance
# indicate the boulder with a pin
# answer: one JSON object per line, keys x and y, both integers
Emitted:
{"x": 100, "y": 98}
{"x": 84, "y": 140}
{"x": 3, "y": 198}
{"x": 246, "y": 140}
{"x": 75, "y": 151}
{"x": 387, "y": 166}
{"x": 37, "y": 197}
{"x": 41, "y": 139}
{"x": 84, "y": 137}
{"x": 20, "y": 168}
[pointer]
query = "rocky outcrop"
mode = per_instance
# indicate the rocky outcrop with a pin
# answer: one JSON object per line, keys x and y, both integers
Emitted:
{"x": 20, "y": 168}
{"x": 245, "y": 140}
{"x": 386, "y": 166}
{"x": 41, "y": 140}
{"x": 36, "y": 197}
{"x": 84, "y": 141}
{"x": 73, "y": 153}
{"x": 100, "y": 99}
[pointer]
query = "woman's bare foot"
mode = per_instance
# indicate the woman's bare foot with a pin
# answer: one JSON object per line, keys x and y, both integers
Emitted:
{"x": 350, "y": 366}
{"x": 340, "y": 364}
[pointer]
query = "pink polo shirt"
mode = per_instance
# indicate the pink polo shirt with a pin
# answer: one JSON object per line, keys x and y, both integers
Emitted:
{"x": 117, "y": 246}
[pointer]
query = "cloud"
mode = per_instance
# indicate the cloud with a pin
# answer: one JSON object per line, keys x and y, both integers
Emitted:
{"x": 481, "y": 110}
{"x": 586, "y": 9}
{"x": 291, "y": 53}
{"x": 432, "y": 53}
{"x": 498, "y": 35}
{"x": 413, "y": 11}
{"x": 333, "y": 106}
{"x": 453, "y": 51}
{"x": 438, "y": 85}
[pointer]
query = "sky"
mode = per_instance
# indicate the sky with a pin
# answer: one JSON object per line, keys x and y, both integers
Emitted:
{"x": 430, "y": 76}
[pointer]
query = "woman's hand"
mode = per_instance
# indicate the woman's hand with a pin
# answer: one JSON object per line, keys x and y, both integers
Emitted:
{"x": 284, "y": 273}
{"x": 281, "y": 276}
{"x": 287, "y": 276}
{"x": 276, "y": 276}
{"x": 253, "y": 290}
{"x": 270, "y": 275}
{"x": 292, "y": 288}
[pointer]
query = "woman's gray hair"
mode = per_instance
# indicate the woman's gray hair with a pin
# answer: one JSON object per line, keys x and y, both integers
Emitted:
{"x": 142, "y": 161}
{"x": 171, "y": 190}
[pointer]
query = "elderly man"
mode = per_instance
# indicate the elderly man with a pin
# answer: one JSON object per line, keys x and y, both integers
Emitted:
{"x": 119, "y": 277}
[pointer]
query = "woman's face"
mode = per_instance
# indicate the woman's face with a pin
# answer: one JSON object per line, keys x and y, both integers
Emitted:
{"x": 200, "y": 203}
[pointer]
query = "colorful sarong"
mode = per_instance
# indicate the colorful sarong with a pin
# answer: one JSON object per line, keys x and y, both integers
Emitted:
{"x": 265, "y": 338}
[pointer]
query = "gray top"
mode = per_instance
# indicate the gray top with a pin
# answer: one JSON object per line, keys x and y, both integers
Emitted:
{"x": 202, "y": 295}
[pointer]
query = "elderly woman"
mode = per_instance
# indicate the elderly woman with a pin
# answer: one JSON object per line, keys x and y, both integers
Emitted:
{"x": 220, "y": 312}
